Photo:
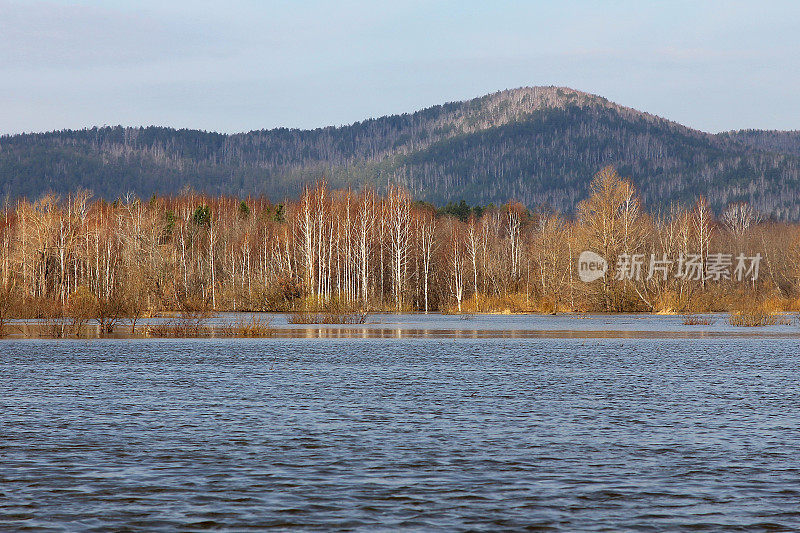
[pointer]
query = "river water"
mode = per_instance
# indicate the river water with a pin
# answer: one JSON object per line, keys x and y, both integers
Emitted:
{"x": 491, "y": 433}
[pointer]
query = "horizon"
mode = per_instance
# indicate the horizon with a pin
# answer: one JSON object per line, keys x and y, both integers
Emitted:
{"x": 246, "y": 66}
{"x": 410, "y": 112}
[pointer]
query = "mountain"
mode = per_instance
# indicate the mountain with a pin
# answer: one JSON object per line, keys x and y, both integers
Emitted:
{"x": 786, "y": 142}
{"x": 539, "y": 145}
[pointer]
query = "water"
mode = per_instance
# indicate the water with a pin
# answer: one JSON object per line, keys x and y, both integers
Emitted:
{"x": 401, "y": 326}
{"x": 412, "y": 433}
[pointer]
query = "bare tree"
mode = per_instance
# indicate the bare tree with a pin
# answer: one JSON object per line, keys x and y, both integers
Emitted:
{"x": 398, "y": 210}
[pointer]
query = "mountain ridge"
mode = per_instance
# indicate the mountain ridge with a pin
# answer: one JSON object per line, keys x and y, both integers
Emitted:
{"x": 539, "y": 145}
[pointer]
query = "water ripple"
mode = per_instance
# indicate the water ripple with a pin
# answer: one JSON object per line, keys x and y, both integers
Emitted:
{"x": 477, "y": 434}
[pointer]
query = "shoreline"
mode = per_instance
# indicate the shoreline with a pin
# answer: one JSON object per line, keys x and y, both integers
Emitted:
{"x": 415, "y": 326}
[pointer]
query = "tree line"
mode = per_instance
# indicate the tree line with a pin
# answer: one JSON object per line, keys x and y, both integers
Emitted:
{"x": 369, "y": 251}
{"x": 536, "y": 145}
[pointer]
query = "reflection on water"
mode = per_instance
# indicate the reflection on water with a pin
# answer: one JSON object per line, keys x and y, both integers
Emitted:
{"x": 405, "y": 326}
{"x": 403, "y": 333}
{"x": 453, "y": 433}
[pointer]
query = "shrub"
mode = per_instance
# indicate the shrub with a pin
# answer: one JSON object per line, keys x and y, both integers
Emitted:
{"x": 9, "y": 302}
{"x": 517, "y": 302}
{"x": 697, "y": 320}
{"x": 756, "y": 317}
{"x": 177, "y": 330}
{"x": 327, "y": 318}
{"x": 334, "y": 310}
{"x": 253, "y": 328}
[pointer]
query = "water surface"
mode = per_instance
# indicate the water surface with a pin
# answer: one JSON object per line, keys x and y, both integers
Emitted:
{"x": 420, "y": 433}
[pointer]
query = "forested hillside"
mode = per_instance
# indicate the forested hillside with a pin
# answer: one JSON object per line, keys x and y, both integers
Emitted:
{"x": 786, "y": 142}
{"x": 538, "y": 145}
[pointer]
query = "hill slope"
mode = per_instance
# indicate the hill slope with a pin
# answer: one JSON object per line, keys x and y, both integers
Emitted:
{"x": 540, "y": 145}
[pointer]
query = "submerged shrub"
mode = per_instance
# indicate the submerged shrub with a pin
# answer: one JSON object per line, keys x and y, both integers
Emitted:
{"x": 253, "y": 328}
{"x": 327, "y": 318}
{"x": 697, "y": 320}
{"x": 756, "y": 317}
{"x": 177, "y": 330}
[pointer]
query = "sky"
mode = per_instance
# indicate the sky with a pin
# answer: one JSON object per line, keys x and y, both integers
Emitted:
{"x": 240, "y": 65}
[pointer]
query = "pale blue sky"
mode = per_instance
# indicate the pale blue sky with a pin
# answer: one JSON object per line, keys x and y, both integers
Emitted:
{"x": 238, "y": 65}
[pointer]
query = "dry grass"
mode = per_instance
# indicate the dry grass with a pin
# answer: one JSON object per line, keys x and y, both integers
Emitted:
{"x": 172, "y": 330}
{"x": 768, "y": 312}
{"x": 334, "y": 310}
{"x": 254, "y": 328}
{"x": 508, "y": 304}
{"x": 306, "y": 317}
{"x": 697, "y": 320}
{"x": 752, "y": 318}
{"x": 757, "y": 317}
